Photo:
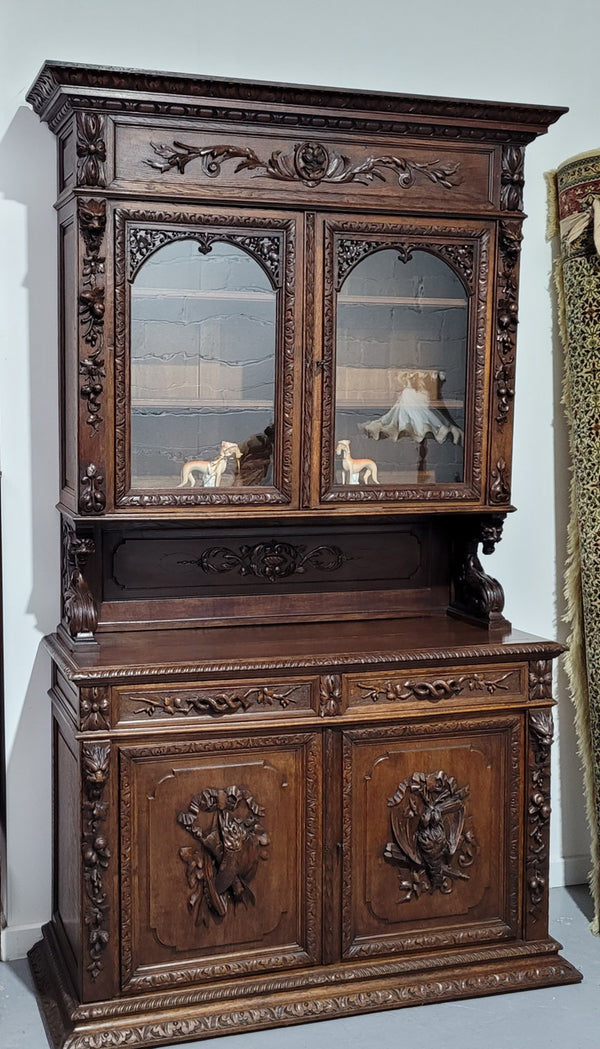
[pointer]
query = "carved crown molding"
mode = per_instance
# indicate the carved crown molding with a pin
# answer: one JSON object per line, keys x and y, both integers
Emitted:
{"x": 118, "y": 90}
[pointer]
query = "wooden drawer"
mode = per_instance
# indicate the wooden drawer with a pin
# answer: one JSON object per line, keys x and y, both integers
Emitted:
{"x": 221, "y": 700}
{"x": 447, "y": 688}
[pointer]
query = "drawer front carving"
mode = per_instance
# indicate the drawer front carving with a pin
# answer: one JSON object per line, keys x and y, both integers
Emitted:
{"x": 429, "y": 810}
{"x": 221, "y": 701}
{"x": 441, "y": 687}
{"x": 220, "y": 847}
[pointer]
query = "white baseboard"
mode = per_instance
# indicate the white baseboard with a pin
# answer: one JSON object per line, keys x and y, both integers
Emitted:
{"x": 570, "y": 870}
{"x": 16, "y": 940}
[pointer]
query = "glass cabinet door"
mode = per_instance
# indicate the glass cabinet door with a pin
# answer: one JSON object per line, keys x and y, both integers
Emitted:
{"x": 205, "y": 375}
{"x": 399, "y": 420}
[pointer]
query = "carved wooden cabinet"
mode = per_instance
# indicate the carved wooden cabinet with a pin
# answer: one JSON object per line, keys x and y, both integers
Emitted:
{"x": 301, "y": 759}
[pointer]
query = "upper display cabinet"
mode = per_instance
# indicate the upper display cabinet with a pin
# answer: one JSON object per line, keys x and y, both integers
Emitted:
{"x": 277, "y": 297}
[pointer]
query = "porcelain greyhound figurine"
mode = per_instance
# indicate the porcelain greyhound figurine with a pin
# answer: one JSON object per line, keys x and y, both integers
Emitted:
{"x": 353, "y": 468}
{"x": 211, "y": 471}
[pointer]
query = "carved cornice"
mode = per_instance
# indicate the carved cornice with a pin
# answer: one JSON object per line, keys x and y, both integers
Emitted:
{"x": 79, "y": 607}
{"x": 95, "y": 761}
{"x": 340, "y": 110}
{"x": 273, "y": 561}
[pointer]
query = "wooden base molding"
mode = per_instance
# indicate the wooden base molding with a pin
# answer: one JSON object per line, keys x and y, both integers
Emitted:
{"x": 305, "y": 997}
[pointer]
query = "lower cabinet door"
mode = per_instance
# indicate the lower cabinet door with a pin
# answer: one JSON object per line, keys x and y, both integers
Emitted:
{"x": 431, "y": 835}
{"x": 220, "y": 858}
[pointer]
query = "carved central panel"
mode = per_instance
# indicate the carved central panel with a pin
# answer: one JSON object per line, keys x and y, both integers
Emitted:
{"x": 432, "y": 840}
{"x": 231, "y": 842}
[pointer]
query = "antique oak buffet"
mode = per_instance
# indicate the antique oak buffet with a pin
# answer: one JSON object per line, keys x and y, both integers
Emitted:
{"x": 301, "y": 760}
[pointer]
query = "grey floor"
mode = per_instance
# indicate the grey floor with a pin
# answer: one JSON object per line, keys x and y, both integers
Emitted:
{"x": 553, "y": 1018}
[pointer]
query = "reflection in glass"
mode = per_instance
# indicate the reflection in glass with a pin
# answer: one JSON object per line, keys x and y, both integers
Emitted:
{"x": 203, "y": 330}
{"x": 400, "y": 372}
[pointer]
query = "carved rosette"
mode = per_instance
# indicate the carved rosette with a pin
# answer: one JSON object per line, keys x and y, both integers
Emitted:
{"x": 437, "y": 690}
{"x": 92, "y": 226}
{"x": 91, "y": 150}
{"x": 94, "y": 709}
{"x": 541, "y": 732}
{"x": 272, "y": 561}
{"x": 540, "y": 679}
{"x": 95, "y": 760}
{"x": 433, "y": 841}
{"x": 310, "y": 163}
{"x": 330, "y": 695}
{"x": 79, "y": 607}
{"x": 231, "y": 842}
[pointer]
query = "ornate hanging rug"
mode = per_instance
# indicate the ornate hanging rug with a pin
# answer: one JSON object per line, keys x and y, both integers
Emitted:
{"x": 575, "y": 214}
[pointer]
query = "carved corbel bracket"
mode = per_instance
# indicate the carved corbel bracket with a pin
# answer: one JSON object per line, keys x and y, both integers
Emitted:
{"x": 79, "y": 607}
{"x": 476, "y": 595}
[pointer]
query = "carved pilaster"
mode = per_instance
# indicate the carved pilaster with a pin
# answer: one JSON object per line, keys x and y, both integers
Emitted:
{"x": 477, "y": 595}
{"x": 541, "y": 732}
{"x": 91, "y": 150}
{"x": 79, "y": 607}
{"x": 96, "y": 853}
{"x": 92, "y": 226}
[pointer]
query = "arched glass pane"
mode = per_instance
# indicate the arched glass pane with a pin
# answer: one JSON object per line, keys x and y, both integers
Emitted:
{"x": 400, "y": 372}
{"x": 203, "y": 331}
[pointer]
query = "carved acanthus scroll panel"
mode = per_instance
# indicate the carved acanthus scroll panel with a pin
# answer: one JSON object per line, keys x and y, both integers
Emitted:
{"x": 424, "y": 823}
{"x": 222, "y": 164}
{"x": 225, "y": 879}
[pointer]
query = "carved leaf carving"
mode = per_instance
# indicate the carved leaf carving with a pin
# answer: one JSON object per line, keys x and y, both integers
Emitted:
{"x": 310, "y": 163}
{"x": 95, "y": 851}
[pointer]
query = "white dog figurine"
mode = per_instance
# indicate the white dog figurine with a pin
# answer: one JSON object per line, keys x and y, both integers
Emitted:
{"x": 353, "y": 468}
{"x": 210, "y": 472}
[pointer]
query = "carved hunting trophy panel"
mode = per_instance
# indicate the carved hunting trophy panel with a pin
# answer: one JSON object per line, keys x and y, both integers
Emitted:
{"x": 301, "y": 759}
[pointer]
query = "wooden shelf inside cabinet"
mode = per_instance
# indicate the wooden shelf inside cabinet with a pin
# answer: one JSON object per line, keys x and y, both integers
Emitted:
{"x": 301, "y": 759}
{"x": 395, "y": 300}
